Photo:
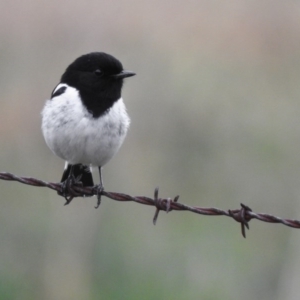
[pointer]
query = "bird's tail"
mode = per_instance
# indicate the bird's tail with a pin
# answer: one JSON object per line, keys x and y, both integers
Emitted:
{"x": 82, "y": 172}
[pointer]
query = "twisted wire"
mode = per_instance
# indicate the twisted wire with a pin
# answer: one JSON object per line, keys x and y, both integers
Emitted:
{"x": 242, "y": 215}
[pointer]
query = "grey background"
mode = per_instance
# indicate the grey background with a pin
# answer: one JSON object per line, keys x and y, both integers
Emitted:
{"x": 215, "y": 118}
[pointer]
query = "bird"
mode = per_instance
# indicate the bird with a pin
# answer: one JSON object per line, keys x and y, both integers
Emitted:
{"x": 85, "y": 120}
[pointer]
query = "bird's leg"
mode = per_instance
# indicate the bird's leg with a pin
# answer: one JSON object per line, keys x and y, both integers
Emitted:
{"x": 100, "y": 188}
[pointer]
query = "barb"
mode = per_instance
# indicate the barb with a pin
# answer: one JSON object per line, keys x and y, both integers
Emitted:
{"x": 243, "y": 215}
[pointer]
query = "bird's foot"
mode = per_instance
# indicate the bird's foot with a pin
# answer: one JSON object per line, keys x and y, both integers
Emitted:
{"x": 67, "y": 188}
{"x": 99, "y": 190}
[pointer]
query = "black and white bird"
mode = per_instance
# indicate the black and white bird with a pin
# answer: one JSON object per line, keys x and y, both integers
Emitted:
{"x": 85, "y": 120}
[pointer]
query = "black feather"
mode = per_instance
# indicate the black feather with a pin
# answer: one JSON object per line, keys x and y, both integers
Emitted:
{"x": 79, "y": 171}
{"x": 58, "y": 92}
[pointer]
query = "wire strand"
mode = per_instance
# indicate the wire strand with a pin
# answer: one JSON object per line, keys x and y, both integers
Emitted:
{"x": 243, "y": 215}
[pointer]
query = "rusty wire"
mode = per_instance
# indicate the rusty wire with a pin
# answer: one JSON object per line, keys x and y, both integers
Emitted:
{"x": 243, "y": 215}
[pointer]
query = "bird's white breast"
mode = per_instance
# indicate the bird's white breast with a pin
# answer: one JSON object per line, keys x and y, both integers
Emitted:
{"x": 73, "y": 134}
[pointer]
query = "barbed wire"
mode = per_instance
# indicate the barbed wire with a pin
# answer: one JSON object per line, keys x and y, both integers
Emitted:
{"x": 243, "y": 215}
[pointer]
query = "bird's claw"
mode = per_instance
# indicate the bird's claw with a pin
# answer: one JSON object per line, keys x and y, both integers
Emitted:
{"x": 67, "y": 188}
{"x": 99, "y": 191}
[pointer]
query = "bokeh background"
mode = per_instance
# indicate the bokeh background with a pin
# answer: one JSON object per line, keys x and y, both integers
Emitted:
{"x": 215, "y": 118}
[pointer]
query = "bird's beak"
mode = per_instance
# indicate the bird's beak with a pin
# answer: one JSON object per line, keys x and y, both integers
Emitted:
{"x": 123, "y": 74}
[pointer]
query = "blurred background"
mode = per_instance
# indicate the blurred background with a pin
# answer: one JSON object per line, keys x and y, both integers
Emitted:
{"x": 215, "y": 116}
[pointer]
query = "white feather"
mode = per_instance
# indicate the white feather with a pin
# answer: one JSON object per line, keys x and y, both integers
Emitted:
{"x": 74, "y": 135}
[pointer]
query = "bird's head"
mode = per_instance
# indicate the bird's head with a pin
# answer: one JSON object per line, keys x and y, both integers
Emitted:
{"x": 99, "y": 79}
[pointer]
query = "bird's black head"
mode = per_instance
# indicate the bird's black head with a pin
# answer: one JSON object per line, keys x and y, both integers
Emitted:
{"x": 99, "y": 78}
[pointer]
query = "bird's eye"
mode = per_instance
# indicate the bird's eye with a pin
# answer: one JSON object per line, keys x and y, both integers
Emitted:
{"x": 98, "y": 72}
